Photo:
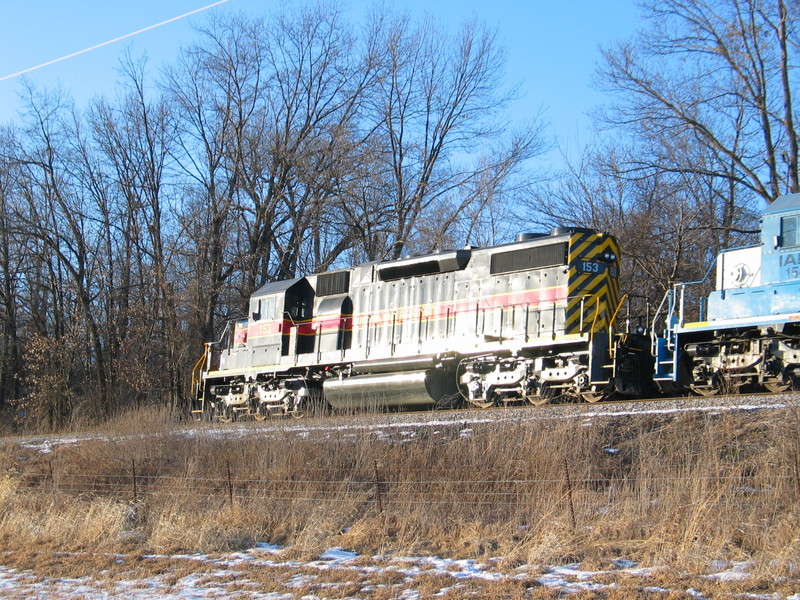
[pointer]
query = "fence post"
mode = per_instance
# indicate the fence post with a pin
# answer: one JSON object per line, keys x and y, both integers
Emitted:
{"x": 230, "y": 482}
{"x": 378, "y": 488}
{"x": 52, "y": 477}
{"x": 569, "y": 495}
{"x": 133, "y": 477}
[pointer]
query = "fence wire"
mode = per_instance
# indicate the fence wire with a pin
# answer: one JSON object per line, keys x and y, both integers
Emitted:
{"x": 390, "y": 492}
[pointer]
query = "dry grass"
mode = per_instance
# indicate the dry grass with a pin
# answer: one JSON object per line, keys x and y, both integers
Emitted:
{"x": 675, "y": 492}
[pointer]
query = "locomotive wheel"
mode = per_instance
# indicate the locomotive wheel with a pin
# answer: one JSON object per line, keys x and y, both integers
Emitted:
{"x": 705, "y": 390}
{"x": 257, "y": 411}
{"x": 483, "y": 403}
{"x": 777, "y": 386}
{"x": 545, "y": 395}
{"x": 592, "y": 397}
{"x": 313, "y": 405}
{"x": 720, "y": 383}
{"x": 538, "y": 399}
{"x": 300, "y": 411}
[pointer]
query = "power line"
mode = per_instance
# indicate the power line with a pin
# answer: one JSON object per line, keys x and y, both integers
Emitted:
{"x": 127, "y": 35}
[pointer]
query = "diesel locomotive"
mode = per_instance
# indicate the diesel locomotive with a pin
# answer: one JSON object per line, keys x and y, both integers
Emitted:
{"x": 533, "y": 321}
{"x": 528, "y": 321}
{"x": 748, "y": 332}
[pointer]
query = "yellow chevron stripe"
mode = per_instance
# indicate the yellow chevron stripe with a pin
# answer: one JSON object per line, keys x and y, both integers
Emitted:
{"x": 576, "y": 251}
{"x": 589, "y": 310}
{"x": 594, "y": 297}
{"x": 602, "y": 246}
{"x": 578, "y": 283}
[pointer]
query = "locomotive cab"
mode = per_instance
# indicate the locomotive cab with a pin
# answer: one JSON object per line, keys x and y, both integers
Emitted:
{"x": 763, "y": 279}
{"x": 281, "y": 319}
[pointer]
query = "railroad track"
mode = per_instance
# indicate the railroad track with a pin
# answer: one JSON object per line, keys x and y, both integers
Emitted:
{"x": 523, "y": 412}
{"x": 463, "y": 418}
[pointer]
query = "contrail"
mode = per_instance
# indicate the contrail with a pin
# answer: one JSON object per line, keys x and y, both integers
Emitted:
{"x": 188, "y": 14}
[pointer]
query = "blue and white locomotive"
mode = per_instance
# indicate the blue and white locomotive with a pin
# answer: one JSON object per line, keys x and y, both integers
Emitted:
{"x": 749, "y": 335}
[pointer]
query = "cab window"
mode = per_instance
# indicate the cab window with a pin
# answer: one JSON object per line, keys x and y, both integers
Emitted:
{"x": 297, "y": 307}
{"x": 789, "y": 233}
{"x": 264, "y": 308}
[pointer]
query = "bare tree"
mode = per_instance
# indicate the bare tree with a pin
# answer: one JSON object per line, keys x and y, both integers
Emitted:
{"x": 53, "y": 214}
{"x": 135, "y": 138}
{"x": 318, "y": 75}
{"x": 12, "y": 267}
{"x": 439, "y": 103}
{"x": 722, "y": 73}
{"x": 215, "y": 88}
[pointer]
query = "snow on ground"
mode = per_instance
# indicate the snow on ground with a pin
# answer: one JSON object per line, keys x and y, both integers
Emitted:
{"x": 225, "y": 579}
{"x": 242, "y": 575}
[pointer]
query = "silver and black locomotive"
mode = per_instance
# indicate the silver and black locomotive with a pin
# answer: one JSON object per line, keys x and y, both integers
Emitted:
{"x": 529, "y": 321}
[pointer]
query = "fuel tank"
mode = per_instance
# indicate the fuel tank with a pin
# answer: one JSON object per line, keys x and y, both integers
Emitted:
{"x": 415, "y": 389}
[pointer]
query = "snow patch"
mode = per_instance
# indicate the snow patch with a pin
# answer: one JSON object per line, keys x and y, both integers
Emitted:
{"x": 337, "y": 555}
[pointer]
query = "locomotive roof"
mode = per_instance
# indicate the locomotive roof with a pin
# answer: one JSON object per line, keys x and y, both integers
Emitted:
{"x": 445, "y": 260}
{"x": 275, "y": 287}
{"x": 784, "y": 203}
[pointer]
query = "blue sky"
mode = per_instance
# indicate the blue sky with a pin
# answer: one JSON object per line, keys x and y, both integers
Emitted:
{"x": 553, "y": 47}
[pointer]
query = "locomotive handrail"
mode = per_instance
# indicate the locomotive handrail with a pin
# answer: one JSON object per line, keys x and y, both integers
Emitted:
{"x": 204, "y": 362}
{"x": 198, "y": 366}
{"x": 582, "y": 313}
{"x": 639, "y": 318}
{"x": 611, "y": 347}
{"x": 665, "y": 314}
{"x": 223, "y": 334}
{"x": 616, "y": 312}
{"x": 594, "y": 319}
{"x": 669, "y": 296}
{"x": 705, "y": 277}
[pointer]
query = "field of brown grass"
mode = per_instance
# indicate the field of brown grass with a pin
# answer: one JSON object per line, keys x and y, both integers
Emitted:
{"x": 673, "y": 492}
